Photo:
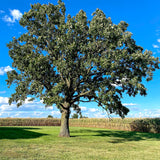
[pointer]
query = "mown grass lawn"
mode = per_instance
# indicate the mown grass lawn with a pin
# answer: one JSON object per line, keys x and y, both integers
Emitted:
{"x": 43, "y": 143}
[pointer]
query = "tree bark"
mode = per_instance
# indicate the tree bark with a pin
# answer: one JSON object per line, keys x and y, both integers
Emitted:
{"x": 64, "y": 131}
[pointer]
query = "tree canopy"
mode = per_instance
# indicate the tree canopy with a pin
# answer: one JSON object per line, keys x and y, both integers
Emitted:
{"x": 66, "y": 60}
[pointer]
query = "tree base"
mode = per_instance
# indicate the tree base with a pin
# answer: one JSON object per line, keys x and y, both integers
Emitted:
{"x": 64, "y": 135}
{"x": 64, "y": 131}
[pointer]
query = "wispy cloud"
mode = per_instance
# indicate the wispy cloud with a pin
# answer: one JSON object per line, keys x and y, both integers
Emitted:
{"x": 83, "y": 108}
{"x": 2, "y": 92}
{"x": 56, "y": 113}
{"x": 93, "y": 112}
{"x": 1, "y": 11}
{"x": 100, "y": 115}
{"x": 93, "y": 109}
{"x": 4, "y": 100}
{"x": 15, "y": 16}
{"x": 4, "y": 70}
{"x": 37, "y": 109}
{"x": 145, "y": 113}
{"x": 129, "y": 104}
{"x": 155, "y": 46}
{"x": 28, "y": 109}
{"x": 158, "y": 40}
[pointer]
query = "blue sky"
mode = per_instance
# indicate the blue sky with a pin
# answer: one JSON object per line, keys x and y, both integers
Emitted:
{"x": 143, "y": 18}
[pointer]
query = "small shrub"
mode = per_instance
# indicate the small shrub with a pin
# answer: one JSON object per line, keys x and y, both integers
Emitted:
{"x": 50, "y": 116}
{"x": 81, "y": 116}
{"x": 151, "y": 125}
{"x": 75, "y": 116}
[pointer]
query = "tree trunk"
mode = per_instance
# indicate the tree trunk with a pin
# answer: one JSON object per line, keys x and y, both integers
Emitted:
{"x": 64, "y": 132}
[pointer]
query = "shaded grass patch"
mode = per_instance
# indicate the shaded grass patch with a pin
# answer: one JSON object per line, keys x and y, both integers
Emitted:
{"x": 121, "y": 136}
{"x": 19, "y": 133}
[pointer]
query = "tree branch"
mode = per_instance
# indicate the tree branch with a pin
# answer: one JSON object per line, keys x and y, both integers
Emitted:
{"x": 82, "y": 95}
{"x": 68, "y": 83}
{"x": 84, "y": 101}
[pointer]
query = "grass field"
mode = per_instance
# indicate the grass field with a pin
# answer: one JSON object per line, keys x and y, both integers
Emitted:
{"x": 42, "y": 143}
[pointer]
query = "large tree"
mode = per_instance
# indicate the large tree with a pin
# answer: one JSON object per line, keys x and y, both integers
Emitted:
{"x": 67, "y": 60}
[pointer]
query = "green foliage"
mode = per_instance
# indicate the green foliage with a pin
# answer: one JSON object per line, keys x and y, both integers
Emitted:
{"x": 81, "y": 116}
{"x": 78, "y": 115}
{"x": 146, "y": 125}
{"x": 75, "y": 115}
{"x": 50, "y": 116}
{"x": 66, "y": 60}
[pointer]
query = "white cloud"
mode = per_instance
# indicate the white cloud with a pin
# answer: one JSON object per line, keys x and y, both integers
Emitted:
{"x": 4, "y": 100}
{"x": 4, "y": 70}
{"x": 37, "y": 113}
{"x": 27, "y": 101}
{"x": 37, "y": 110}
{"x": 100, "y": 115}
{"x": 95, "y": 113}
{"x": 28, "y": 109}
{"x": 42, "y": 101}
{"x": 56, "y": 113}
{"x": 158, "y": 40}
{"x": 1, "y": 113}
{"x": 144, "y": 113}
{"x": 15, "y": 16}
{"x": 6, "y": 107}
{"x": 155, "y": 46}
{"x": 6, "y": 18}
{"x": 129, "y": 104}
{"x": 93, "y": 109}
{"x": 49, "y": 108}
{"x": 118, "y": 82}
{"x": 8, "y": 68}
{"x": 16, "y": 115}
{"x": 83, "y": 108}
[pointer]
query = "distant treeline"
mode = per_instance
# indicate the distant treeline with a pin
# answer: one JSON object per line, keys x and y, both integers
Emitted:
{"x": 128, "y": 124}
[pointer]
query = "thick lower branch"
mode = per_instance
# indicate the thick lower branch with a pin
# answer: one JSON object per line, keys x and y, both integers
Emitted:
{"x": 83, "y": 94}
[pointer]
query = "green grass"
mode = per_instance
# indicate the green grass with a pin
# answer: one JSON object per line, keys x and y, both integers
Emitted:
{"x": 43, "y": 143}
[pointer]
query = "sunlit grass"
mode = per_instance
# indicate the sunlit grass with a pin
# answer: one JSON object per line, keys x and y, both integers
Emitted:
{"x": 40, "y": 143}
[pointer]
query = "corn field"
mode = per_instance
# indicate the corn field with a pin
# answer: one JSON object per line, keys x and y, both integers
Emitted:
{"x": 30, "y": 122}
{"x": 115, "y": 123}
{"x": 127, "y": 124}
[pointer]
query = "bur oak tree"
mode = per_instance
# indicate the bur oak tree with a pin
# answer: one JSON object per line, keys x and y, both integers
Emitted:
{"x": 66, "y": 60}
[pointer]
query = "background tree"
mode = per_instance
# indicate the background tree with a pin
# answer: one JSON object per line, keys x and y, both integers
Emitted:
{"x": 50, "y": 116}
{"x": 75, "y": 115}
{"x": 81, "y": 116}
{"x": 66, "y": 60}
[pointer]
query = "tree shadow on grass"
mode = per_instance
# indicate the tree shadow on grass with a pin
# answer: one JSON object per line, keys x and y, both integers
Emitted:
{"x": 18, "y": 133}
{"x": 118, "y": 136}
